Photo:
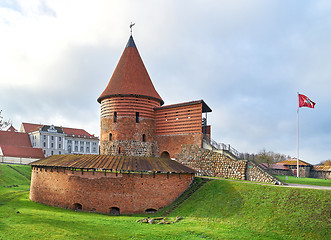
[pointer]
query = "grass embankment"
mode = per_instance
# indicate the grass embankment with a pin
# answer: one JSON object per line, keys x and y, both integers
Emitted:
{"x": 306, "y": 181}
{"x": 218, "y": 210}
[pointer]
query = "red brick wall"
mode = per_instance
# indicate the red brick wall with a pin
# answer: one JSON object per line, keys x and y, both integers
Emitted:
{"x": 179, "y": 119}
{"x": 126, "y": 128}
{"x": 173, "y": 143}
{"x": 131, "y": 193}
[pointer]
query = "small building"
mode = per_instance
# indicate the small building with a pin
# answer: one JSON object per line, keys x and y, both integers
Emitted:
{"x": 56, "y": 140}
{"x": 15, "y": 147}
{"x": 289, "y": 168}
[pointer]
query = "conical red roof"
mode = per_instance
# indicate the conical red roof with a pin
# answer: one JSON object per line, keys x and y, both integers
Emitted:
{"x": 130, "y": 77}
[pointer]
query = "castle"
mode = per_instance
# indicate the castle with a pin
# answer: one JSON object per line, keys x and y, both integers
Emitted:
{"x": 135, "y": 130}
{"x": 134, "y": 121}
{"x": 139, "y": 139}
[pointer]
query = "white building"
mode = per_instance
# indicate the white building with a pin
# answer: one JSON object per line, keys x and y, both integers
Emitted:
{"x": 61, "y": 140}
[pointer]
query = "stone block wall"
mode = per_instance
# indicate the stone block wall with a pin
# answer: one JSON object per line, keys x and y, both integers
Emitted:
{"x": 209, "y": 163}
{"x": 129, "y": 148}
{"x": 257, "y": 174}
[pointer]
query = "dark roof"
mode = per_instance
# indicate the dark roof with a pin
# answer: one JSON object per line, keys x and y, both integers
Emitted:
{"x": 114, "y": 163}
{"x": 205, "y": 107}
{"x": 130, "y": 77}
{"x": 46, "y": 127}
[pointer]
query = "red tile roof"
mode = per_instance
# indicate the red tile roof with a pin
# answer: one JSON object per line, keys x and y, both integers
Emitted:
{"x": 322, "y": 168}
{"x": 130, "y": 77}
{"x": 22, "y": 152}
{"x": 77, "y": 132}
{"x": 18, "y": 144}
{"x": 31, "y": 127}
{"x": 293, "y": 161}
{"x": 279, "y": 166}
{"x": 15, "y": 139}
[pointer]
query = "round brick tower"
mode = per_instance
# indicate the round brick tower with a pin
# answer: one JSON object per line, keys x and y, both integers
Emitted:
{"x": 127, "y": 108}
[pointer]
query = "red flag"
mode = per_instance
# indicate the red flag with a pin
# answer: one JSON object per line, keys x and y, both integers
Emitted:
{"x": 304, "y": 101}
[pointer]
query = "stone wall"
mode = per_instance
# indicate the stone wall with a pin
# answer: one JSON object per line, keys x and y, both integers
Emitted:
{"x": 210, "y": 163}
{"x": 100, "y": 192}
{"x": 257, "y": 174}
{"x": 129, "y": 148}
{"x": 320, "y": 174}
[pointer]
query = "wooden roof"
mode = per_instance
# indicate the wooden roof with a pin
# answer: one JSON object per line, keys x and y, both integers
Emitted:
{"x": 114, "y": 163}
{"x": 130, "y": 77}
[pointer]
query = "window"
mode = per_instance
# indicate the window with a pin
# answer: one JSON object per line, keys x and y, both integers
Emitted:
{"x": 44, "y": 152}
{"x": 144, "y": 138}
{"x": 59, "y": 145}
{"x": 76, "y": 148}
{"x": 110, "y": 137}
{"x": 87, "y": 149}
{"x": 165, "y": 115}
{"x": 44, "y": 137}
{"x": 44, "y": 144}
{"x": 52, "y": 137}
{"x": 59, "y": 152}
{"x": 81, "y": 148}
{"x": 176, "y": 115}
{"x": 52, "y": 145}
{"x": 188, "y": 114}
{"x": 137, "y": 117}
{"x": 69, "y": 141}
{"x": 69, "y": 149}
{"x": 60, "y": 139}
{"x": 94, "y": 149}
{"x": 115, "y": 116}
{"x": 51, "y": 152}
{"x": 76, "y": 142}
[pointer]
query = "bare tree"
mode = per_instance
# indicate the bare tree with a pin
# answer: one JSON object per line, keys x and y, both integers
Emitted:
{"x": 3, "y": 123}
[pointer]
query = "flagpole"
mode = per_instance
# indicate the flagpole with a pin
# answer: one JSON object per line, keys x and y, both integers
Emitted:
{"x": 298, "y": 140}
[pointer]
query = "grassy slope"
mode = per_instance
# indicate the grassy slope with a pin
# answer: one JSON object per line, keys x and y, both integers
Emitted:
{"x": 307, "y": 181}
{"x": 219, "y": 210}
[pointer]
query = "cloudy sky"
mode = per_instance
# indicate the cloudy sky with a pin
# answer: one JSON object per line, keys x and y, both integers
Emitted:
{"x": 246, "y": 59}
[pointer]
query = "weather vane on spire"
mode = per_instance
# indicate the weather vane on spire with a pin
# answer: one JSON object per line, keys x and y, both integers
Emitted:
{"x": 131, "y": 25}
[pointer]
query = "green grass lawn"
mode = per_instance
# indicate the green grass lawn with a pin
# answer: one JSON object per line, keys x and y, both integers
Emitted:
{"x": 218, "y": 210}
{"x": 306, "y": 181}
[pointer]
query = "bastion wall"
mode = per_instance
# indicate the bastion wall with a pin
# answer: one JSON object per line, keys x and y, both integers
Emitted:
{"x": 101, "y": 192}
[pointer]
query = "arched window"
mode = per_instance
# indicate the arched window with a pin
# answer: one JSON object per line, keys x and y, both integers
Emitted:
{"x": 115, "y": 116}
{"x": 165, "y": 154}
{"x": 119, "y": 150}
{"x": 144, "y": 138}
{"x": 78, "y": 207}
{"x": 137, "y": 117}
{"x": 110, "y": 137}
{"x": 114, "y": 211}
{"x": 150, "y": 210}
